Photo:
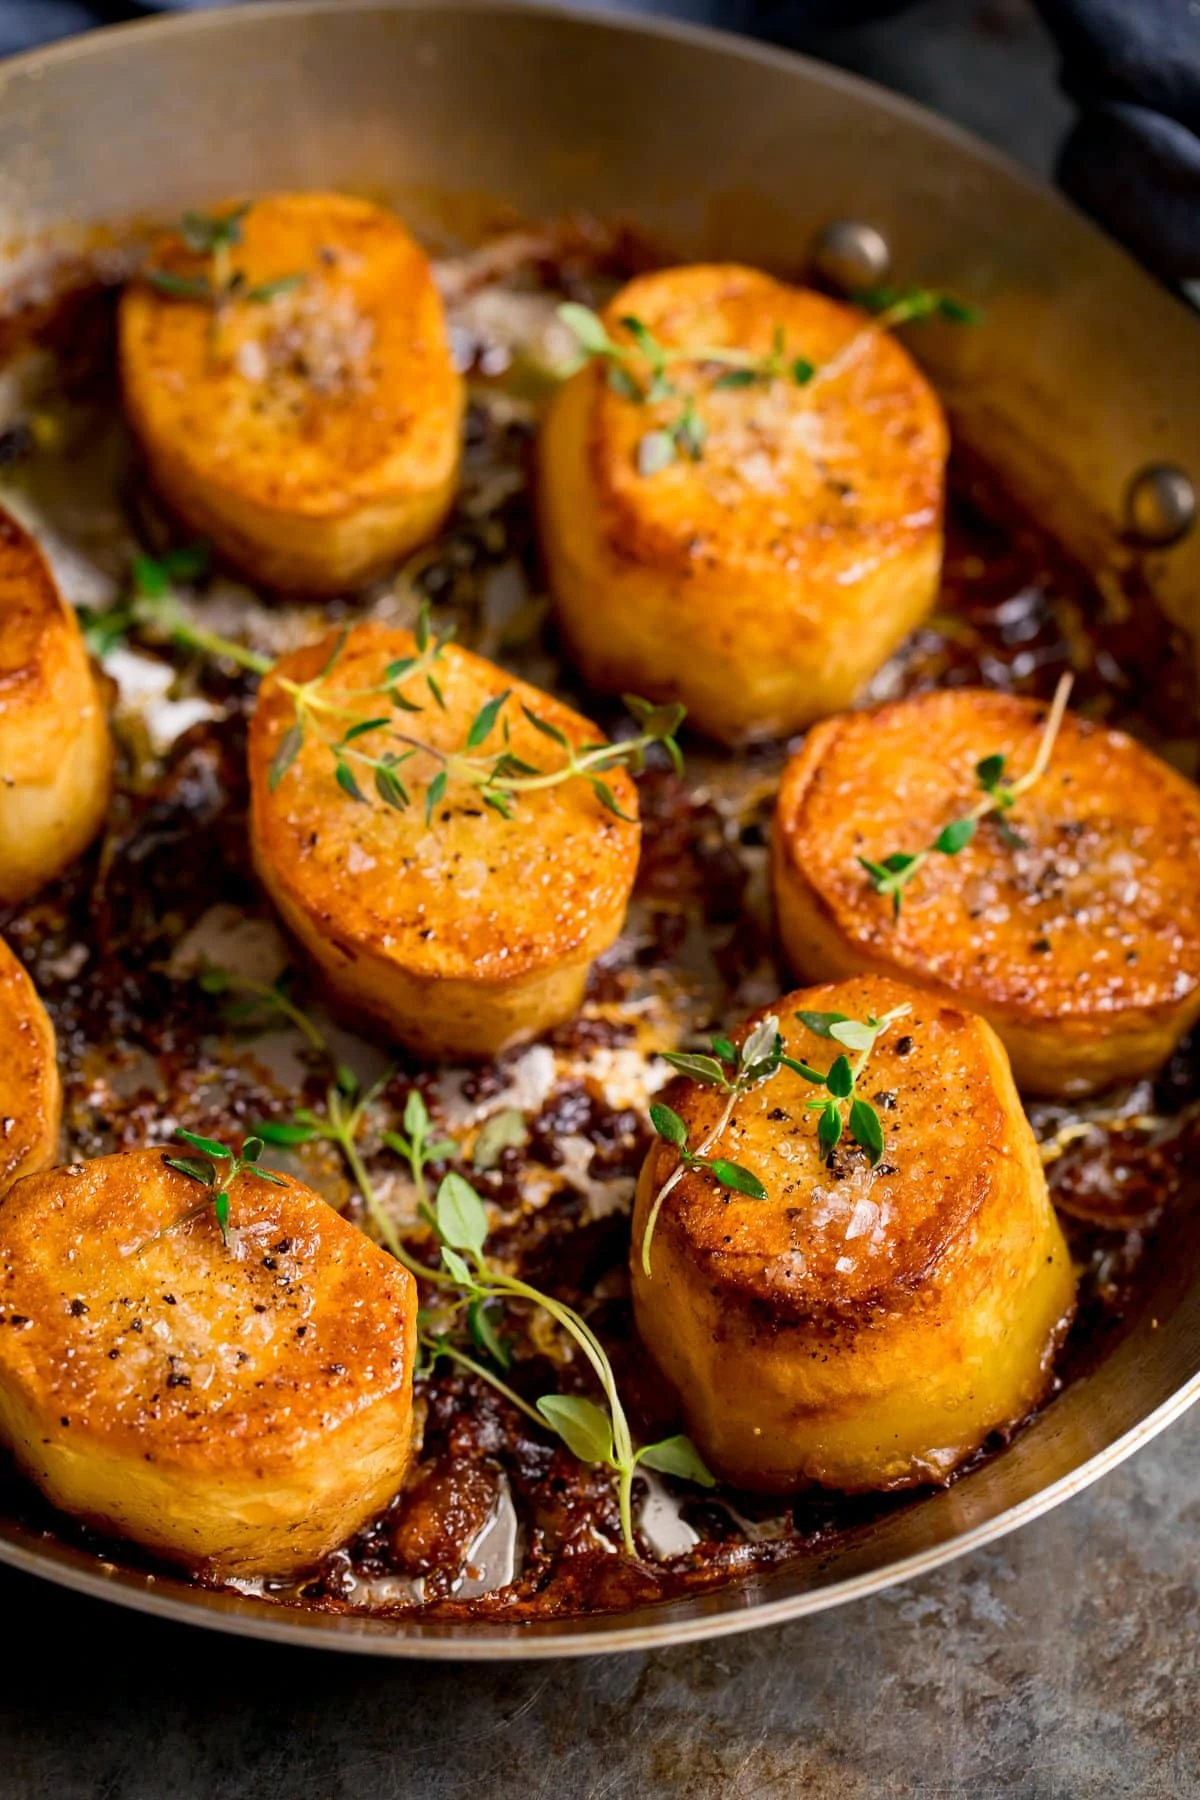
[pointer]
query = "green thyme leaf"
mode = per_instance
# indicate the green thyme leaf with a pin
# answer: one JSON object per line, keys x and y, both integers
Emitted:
{"x": 955, "y": 836}
{"x": 608, "y": 801}
{"x": 803, "y": 1070}
{"x": 461, "y": 1218}
{"x": 417, "y": 1121}
{"x": 677, "y": 1456}
{"x": 485, "y": 719}
{"x": 668, "y": 1124}
{"x": 151, "y": 577}
{"x": 290, "y": 746}
{"x": 829, "y": 1128}
{"x": 546, "y": 728}
{"x": 345, "y": 778}
{"x": 437, "y": 788}
{"x": 691, "y": 433}
{"x": 622, "y": 383}
{"x": 990, "y": 770}
{"x": 505, "y": 1130}
{"x": 866, "y": 1129}
{"x": 821, "y": 1023}
{"x": 206, "y": 232}
{"x": 362, "y": 728}
{"x": 840, "y": 1079}
{"x": 206, "y": 1146}
{"x": 455, "y": 1266}
{"x": 221, "y": 1214}
{"x": 732, "y": 1175}
{"x": 583, "y": 1427}
{"x": 699, "y": 1068}
{"x": 264, "y": 1175}
{"x": 279, "y": 1131}
{"x": 270, "y": 290}
{"x": 391, "y": 789}
{"x": 762, "y": 1047}
{"x": 179, "y": 287}
{"x": 958, "y": 311}
{"x": 643, "y": 337}
{"x": 482, "y": 1327}
{"x": 588, "y": 328}
{"x": 187, "y": 1165}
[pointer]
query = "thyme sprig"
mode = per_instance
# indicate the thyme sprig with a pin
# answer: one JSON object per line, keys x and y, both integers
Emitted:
{"x": 215, "y": 236}
{"x": 216, "y": 1168}
{"x": 593, "y": 1434}
{"x": 905, "y": 306}
{"x": 151, "y": 606}
{"x": 842, "y": 1108}
{"x": 468, "y": 1282}
{"x": 733, "y": 1072}
{"x": 640, "y": 370}
{"x": 499, "y": 777}
{"x": 314, "y": 706}
{"x": 418, "y": 1145}
{"x": 999, "y": 794}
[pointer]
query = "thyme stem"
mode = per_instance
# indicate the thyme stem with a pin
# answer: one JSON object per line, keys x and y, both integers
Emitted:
{"x": 443, "y": 1347}
{"x": 706, "y": 1144}
{"x": 893, "y": 874}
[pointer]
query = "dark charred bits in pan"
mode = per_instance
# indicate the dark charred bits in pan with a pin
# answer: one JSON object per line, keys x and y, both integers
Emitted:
{"x": 139, "y": 1045}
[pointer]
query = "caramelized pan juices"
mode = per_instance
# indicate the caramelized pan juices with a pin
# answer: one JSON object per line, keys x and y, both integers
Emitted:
{"x": 517, "y": 1164}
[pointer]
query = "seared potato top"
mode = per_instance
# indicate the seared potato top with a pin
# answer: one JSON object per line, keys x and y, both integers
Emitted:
{"x": 834, "y": 1235}
{"x": 321, "y": 397}
{"x": 44, "y": 669}
{"x": 30, "y": 1091}
{"x": 818, "y": 477}
{"x": 466, "y": 893}
{"x": 1095, "y": 911}
{"x": 181, "y": 1347}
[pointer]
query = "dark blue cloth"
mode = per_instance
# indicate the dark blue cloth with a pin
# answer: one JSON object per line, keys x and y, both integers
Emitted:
{"x": 1133, "y": 159}
{"x": 1131, "y": 66}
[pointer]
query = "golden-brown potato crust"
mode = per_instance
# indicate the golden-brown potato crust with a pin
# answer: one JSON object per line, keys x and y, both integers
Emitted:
{"x": 1082, "y": 947}
{"x": 241, "y": 1409}
{"x": 313, "y": 437}
{"x": 764, "y": 582}
{"x": 466, "y": 933}
{"x": 861, "y": 1328}
{"x": 30, "y": 1089}
{"x": 55, "y": 749}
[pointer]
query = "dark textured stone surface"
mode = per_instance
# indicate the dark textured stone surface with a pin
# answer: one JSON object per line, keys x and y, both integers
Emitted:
{"x": 1060, "y": 1665}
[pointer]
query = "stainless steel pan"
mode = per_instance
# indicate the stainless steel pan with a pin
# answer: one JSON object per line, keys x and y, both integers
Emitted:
{"x": 1087, "y": 374}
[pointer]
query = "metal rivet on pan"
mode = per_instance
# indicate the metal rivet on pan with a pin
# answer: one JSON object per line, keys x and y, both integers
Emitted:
{"x": 849, "y": 254}
{"x": 1160, "y": 505}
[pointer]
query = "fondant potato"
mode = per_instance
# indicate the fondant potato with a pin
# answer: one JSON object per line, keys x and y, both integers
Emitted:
{"x": 861, "y": 1327}
{"x": 1078, "y": 937}
{"x": 240, "y": 1409}
{"x": 763, "y": 580}
{"x": 313, "y": 434}
{"x": 55, "y": 751}
{"x": 459, "y": 930}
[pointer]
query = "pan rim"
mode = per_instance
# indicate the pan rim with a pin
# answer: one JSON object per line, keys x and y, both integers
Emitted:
{"x": 733, "y": 1609}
